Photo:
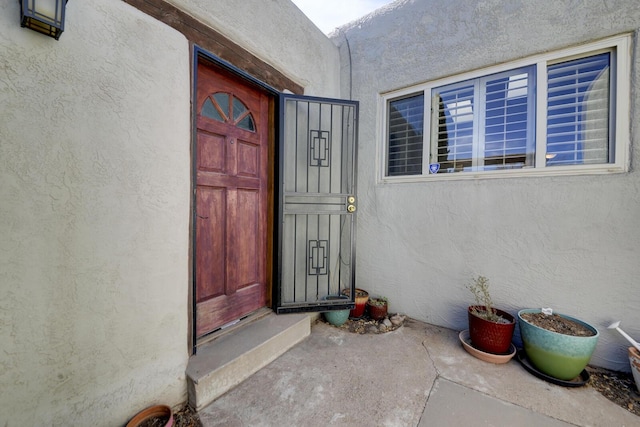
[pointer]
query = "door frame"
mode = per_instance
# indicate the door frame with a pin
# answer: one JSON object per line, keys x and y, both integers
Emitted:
{"x": 274, "y": 213}
{"x": 199, "y": 55}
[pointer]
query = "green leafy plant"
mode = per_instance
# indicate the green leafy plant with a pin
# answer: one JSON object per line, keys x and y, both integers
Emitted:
{"x": 378, "y": 302}
{"x": 479, "y": 287}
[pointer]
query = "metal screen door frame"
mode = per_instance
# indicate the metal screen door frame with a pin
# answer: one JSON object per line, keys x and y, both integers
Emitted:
{"x": 316, "y": 218}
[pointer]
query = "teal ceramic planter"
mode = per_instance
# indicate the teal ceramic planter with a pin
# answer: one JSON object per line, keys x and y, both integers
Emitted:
{"x": 336, "y": 317}
{"x": 557, "y": 355}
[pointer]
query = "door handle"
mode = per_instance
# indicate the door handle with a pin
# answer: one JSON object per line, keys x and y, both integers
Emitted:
{"x": 351, "y": 204}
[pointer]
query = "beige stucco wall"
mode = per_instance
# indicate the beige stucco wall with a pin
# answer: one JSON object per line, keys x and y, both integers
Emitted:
{"x": 571, "y": 243}
{"x": 94, "y": 208}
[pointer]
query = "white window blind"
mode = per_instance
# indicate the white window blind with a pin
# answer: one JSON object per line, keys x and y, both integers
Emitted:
{"x": 485, "y": 124}
{"x": 455, "y": 127}
{"x": 508, "y": 126}
{"x": 578, "y": 111}
{"x": 406, "y": 127}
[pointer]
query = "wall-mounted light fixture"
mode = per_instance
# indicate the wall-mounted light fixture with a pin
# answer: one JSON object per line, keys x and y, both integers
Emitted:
{"x": 43, "y": 16}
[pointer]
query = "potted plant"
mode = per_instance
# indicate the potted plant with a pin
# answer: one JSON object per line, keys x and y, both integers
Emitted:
{"x": 336, "y": 317}
{"x": 634, "y": 353}
{"x": 634, "y": 360}
{"x": 490, "y": 329}
{"x": 377, "y": 308}
{"x": 557, "y": 345}
{"x": 157, "y": 415}
{"x": 362, "y": 297}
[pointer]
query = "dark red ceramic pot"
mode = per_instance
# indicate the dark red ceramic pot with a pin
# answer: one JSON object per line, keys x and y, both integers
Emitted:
{"x": 488, "y": 336}
{"x": 377, "y": 312}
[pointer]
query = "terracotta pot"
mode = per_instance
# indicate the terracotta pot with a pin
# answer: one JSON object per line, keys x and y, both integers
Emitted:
{"x": 152, "y": 412}
{"x": 377, "y": 312}
{"x": 491, "y": 337}
{"x": 634, "y": 359}
{"x": 557, "y": 355}
{"x": 362, "y": 297}
{"x": 487, "y": 357}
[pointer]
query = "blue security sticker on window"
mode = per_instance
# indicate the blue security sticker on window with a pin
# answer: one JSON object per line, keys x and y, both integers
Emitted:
{"x": 434, "y": 167}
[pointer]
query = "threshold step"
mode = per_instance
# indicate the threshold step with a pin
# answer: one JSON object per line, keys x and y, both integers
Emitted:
{"x": 225, "y": 362}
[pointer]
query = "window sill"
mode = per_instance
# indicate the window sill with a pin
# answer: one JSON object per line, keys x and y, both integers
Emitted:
{"x": 519, "y": 173}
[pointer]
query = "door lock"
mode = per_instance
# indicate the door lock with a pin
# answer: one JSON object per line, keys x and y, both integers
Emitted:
{"x": 351, "y": 207}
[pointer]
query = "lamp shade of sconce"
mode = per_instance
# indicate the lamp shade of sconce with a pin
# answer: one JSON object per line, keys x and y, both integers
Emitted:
{"x": 43, "y": 16}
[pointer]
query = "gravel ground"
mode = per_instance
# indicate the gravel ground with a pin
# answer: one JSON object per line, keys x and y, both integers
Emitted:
{"x": 187, "y": 417}
{"x": 618, "y": 387}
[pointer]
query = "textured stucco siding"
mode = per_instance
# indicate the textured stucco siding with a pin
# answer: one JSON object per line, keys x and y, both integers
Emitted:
{"x": 571, "y": 243}
{"x": 94, "y": 208}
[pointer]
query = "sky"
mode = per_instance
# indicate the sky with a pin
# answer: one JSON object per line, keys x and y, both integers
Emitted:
{"x": 329, "y": 14}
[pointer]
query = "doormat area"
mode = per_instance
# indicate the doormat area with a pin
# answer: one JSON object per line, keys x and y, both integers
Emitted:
{"x": 367, "y": 325}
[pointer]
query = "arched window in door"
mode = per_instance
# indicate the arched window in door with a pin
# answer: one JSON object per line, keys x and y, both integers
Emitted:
{"x": 226, "y": 108}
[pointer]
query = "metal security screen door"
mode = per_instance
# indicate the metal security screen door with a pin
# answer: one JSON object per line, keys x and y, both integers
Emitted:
{"x": 316, "y": 235}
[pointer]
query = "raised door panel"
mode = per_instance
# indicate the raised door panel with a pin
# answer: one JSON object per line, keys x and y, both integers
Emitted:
{"x": 211, "y": 242}
{"x": 248, "y": 157}
{"x": 212, "y": 152}
{"x": 249, "y": 257}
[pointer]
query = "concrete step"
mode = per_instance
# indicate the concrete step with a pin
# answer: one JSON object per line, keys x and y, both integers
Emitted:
{"x": 225, "y": 362}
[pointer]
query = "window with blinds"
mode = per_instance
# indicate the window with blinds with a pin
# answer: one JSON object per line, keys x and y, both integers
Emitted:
{"x": 509, "y": 121}
{"x": 578, "y": 111}
{"x": 485, "y": 123}
{"x": 406, "y": 125}
{"x": 454, "y": 113}
{"x": 557, "y": 112}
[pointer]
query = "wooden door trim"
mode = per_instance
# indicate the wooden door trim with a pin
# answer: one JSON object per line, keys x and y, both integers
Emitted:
{"x": 213, "y": 41}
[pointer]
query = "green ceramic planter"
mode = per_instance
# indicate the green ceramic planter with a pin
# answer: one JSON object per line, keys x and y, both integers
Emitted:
{"x": 336, "y": 317}
{"x": 557, "y": 355}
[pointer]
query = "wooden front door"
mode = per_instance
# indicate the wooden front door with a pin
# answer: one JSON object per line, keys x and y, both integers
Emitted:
{"x": 231, "y": 198}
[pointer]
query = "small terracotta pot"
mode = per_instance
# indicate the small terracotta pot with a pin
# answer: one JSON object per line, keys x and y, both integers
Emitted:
{"x": 634, "y": 359}
{"x": 362, "y": 297}
{"x": 151, "y": 412}
{"x": 377, "y": 312}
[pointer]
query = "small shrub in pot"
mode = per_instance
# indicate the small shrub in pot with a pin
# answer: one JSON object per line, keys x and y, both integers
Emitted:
{"x": 490, "y": 329}
{"x": 377, "y": 307}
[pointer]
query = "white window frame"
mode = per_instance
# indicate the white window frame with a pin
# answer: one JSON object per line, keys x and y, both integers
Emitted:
{"x": 620, "y": 72}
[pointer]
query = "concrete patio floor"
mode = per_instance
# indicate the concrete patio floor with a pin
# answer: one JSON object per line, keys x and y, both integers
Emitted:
{"x": 418, "y": 375}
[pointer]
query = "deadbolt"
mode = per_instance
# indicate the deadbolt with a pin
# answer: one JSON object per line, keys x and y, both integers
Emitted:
{"x": 351, "y": 199}
{"x": 351, "y": 208}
